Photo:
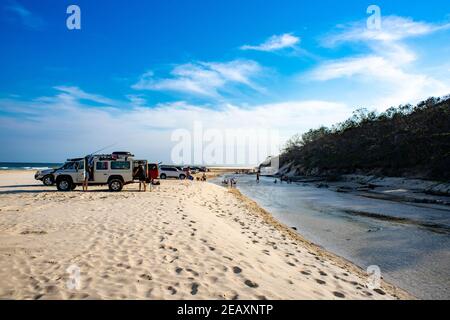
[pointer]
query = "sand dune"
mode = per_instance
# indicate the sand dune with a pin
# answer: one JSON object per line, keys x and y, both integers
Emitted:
{"x": 183, "y": 240}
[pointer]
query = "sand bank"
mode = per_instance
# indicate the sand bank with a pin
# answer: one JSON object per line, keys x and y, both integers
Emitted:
{"x": 183, "y": 240}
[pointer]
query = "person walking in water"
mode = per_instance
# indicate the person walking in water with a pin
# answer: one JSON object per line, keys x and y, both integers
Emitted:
{"x": 257, "y": 177}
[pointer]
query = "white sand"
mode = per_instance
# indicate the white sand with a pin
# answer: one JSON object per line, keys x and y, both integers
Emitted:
{"x": 184, "y": 240}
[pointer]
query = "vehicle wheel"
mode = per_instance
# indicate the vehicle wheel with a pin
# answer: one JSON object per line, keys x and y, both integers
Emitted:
{"x": 115, "y": 185}
{"x": 182, "y": 176}
{"x": 48, "y": 180}
{"x": 163, "y": 176}
{"x": 64, "y": 184}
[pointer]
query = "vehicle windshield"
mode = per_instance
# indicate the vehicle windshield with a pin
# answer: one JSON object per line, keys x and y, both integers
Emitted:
{"x": 68, "y": 166}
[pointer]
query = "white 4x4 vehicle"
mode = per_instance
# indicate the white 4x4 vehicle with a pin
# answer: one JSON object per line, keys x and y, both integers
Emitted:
{"x": 107, "y": 170}
{"x": 171, "y": 172}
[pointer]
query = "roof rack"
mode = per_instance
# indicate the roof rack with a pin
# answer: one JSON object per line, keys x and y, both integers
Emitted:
{"x": 114, "y": 156}
{"x": 110, "y": 156}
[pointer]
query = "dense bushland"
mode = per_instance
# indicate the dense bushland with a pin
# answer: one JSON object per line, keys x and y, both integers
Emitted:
{"x": 409, "y": 141}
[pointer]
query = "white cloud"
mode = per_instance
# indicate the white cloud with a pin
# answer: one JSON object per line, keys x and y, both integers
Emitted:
{"x": 384, "y": 78}
{"x": 393, "y": 29}
{"x": 203, "y": 78}
{"x": 388, "y": 69}
{"x": 274, "y": 43}
{"x": 77, "y": 93}
{"x": 67, "y": 127}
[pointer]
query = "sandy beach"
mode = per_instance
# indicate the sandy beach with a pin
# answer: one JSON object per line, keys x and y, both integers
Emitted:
{"x": 182, "y": 240}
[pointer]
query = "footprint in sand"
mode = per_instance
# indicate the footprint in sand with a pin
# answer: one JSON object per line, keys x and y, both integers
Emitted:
{"x": 194, "y": 288}
{"x": 291, "y": 264}
{"x": 172, "y": 290}
{"x": 339, "y": 294}
{"x": 320, "y": 281}
{"x": 251, "y": 284}
{"x": 379, "y": 291}
{"x": 237, "y": 270}
{"x": 195, "y": 273}
{"x": 27, "y": 232}
{"x": 146, "y": 276}
{"x": 178, "y": 270}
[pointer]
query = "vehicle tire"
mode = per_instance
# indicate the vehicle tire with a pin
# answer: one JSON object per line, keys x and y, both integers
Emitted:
{"x": 182, "y": 176}
{"x": 163, "y": 176}
{"x": 48, "y": 180}
{"x": 115, "y": 185}
{"x": 64, "y": 184}
{"x": 73, "y": 187}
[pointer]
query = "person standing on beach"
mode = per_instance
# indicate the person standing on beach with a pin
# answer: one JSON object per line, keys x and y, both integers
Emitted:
{"x": 187, "y": 172}
{"x": 141, "y": 176}
{"x": 86, "y": 173}
{"x": 257, "y": 177}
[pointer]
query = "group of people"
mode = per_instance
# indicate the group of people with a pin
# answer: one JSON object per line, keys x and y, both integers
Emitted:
{"x": 286, "y": 179}
{"x": 202, "y": 178}
{"x": 140, "y": 173}
{"x": 282, "y": 178}
{"x": 232, "y": 182}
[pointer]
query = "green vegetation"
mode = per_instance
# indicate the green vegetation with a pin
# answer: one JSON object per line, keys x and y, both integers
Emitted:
{"x": 404, "y": 141}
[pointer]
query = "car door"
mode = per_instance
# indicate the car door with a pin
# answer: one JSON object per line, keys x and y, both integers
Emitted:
{"x": 164, "y": 170}
{"x": 174, "y": 173}
{"x": 78, "y": 170}
{"x": 101, "y": 171}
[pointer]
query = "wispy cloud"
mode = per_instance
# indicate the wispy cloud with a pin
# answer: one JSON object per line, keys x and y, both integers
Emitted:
{"x": 76, "y": 93}
{"x": 383, "y": 75}
{"x": 207, "y": 79}
{"x": 388, "y": 65}
{"x": 73, "y": 128}
{"x": 26, "y": 17}
{"x": 275, "y": 43}
{"x": 393, "y": 28}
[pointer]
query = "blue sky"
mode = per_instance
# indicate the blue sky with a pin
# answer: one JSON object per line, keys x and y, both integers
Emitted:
{"x": 146, "y": 68}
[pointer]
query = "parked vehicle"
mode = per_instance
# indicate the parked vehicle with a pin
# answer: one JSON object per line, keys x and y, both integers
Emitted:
{"x": 47, "y": 176}
{"x": 114, "y": 170}
{"x": 192, "y": 170}
{"x": 195, "y": 169}
{"x": 171, "y": 172}
{"x": 153, "y": 171}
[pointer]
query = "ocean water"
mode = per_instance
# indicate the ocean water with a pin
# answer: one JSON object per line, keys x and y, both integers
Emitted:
{"x": 28, "y": 165}
{"x": 414, "y": 255}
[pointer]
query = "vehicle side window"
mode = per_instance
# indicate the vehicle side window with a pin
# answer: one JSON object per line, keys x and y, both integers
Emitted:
{"x": 102, "y": 165}
{"x": 120, "y": 165}
{"x": 80, "y": 165}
